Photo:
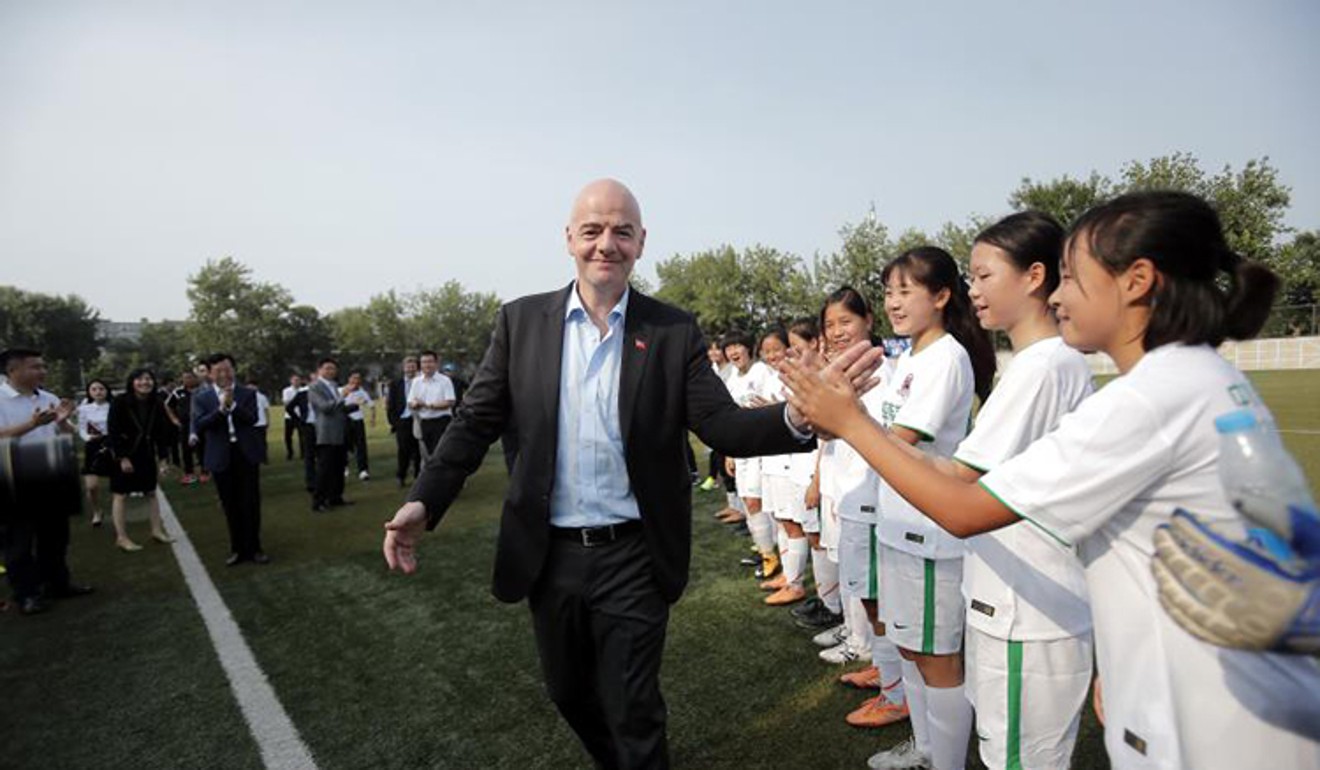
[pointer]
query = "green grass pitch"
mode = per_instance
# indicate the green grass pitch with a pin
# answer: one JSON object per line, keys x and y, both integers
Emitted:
{"x": 382, "y": 671}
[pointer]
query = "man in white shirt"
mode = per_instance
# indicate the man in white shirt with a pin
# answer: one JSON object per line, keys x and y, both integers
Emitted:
{"x": 431, "y": 399}
{"x": 38, "y": 538}
{"x": 357, "y": 423}
{"x": 291, "y": 421}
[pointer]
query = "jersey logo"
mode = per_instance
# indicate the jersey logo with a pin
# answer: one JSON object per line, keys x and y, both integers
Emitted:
{"x": 983, "y": 608}
{"x": 1135, "y": 741}
{"x": 906, "y": 387}
{"x": 868, "y": 509}
{"x": 1241, "y": 394}
{"x": 913, "y": 537}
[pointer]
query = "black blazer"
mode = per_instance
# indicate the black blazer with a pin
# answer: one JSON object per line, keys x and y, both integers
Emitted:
{"x": 666, "y": 387}
{"x": 212, "y": 425}
{"x": 394, "y": 402}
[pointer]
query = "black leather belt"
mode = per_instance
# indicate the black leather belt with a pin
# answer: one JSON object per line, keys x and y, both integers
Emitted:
{"x": 594, "y": 536}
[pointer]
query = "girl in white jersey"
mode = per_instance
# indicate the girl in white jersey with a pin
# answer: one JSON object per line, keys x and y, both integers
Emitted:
{"x": 750, "y": 384}
{"x": 91, "y": 418}
{"x": 1140, "y": 282}
{"x": 927, "y": 404}
{"x": 780, "y": 499}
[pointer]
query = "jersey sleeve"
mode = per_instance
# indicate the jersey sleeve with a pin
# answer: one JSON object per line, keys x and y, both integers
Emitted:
{"x": 936, "y": 389}
{"x": 1071, "y": 481}
{"x": 1009, "y": 420}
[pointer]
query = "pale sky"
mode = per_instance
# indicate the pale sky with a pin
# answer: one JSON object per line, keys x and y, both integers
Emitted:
{"x": 346, "y": 148}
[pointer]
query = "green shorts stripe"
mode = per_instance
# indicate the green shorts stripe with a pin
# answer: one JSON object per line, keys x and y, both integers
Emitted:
{"x": 928, "y": 617}
{"x": 1013, "y": 750}
{"x": 873, "y": 572}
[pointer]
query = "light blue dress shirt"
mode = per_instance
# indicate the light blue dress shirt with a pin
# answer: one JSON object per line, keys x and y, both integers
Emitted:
{"x": 591, "y": 477}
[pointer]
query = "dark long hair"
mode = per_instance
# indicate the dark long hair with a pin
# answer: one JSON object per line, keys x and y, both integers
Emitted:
{"x": 776, "y": 331}
{"x": 806, "y": 328}
{"x": 87, "y": 392}
{"x": 935, "y": 269}
{"x": 1028, "y": 237}
{"x": 133, "y": 375}
{"x": 1182, "y": 236}
{"x": 851, "y": 299}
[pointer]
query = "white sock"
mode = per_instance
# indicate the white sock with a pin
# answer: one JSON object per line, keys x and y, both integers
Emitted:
{"x": 884, "y": 656}
{"x": 859, "y": 626}
{"x": 781, "y": 537}
{"x": 949, "y": 716}
{"x": 763, "y": 534}
{"x": 795, "y": 560}
{"x": 915, "y": 686}
{"x": 826, "y": 573}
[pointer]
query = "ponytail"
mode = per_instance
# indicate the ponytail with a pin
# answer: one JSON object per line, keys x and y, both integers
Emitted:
{"x": 1182, "y": 236}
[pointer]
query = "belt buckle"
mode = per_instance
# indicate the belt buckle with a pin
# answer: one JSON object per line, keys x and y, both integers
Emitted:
{"x": 589, "y": 539}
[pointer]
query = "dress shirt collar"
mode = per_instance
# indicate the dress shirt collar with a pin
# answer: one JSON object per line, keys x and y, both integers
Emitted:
{"x": 575, "y": 305}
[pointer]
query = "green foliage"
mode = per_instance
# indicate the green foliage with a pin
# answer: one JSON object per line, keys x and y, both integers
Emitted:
{"x": 257, "y": 323}
{"x": 162, "y": 347}
{"x": 455, "y": 323}
{"x": 727, "y": 290}
{"x": 859, "y": 261}
{"x": 1064, "y": 198}
{"x": 63, "y": 328}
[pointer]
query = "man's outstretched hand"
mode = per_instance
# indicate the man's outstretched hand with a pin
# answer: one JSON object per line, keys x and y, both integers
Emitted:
{"x": 402, "y": 533}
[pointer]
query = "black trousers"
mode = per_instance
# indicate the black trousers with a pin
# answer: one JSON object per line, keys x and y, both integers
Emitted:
{"x": 410, "y": 453}
{"x": 331, "y": 459}
{"x": 307, "y": 443}
{"x": 600, "y": 632}
{"x": 432, "y": 430}
{"x": 357, "y": 439}
{"x": 35, "y": 549}
{"x": 188, "y": 451}
{"x": 239, "y": 487}
{"x": 291, "y": 430}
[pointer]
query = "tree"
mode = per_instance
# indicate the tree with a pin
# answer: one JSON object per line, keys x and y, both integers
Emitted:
{"x": 162, "y": 347}
{"x": 63, "y": 328}
{"x": 1063, "y": 198}
{"x": 455, "y": 323}
{"x": 255, "y": 322}
{"x": 1251, "y": 202}
{"x": 726, "y": 290}
{"x": 859, "y": 261}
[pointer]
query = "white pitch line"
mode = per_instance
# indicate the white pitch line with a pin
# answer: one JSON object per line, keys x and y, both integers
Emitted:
{"x": 282, "y": 748}
{"x": 1302, "y": 431}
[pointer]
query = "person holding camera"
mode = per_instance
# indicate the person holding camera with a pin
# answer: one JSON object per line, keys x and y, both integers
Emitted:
{"x": 37, "y": 538}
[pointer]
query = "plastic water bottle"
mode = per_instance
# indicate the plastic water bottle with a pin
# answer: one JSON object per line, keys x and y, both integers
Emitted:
{"x": 1265, "y": 485}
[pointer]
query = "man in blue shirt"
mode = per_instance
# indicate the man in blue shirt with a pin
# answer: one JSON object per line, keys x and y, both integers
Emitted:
{"x": 596, "y": 530}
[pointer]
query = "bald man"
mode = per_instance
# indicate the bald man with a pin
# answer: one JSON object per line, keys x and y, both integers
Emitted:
{"x": 596, "y": 530}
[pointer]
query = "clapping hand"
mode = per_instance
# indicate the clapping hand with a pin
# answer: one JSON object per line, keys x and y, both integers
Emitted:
{"x": 227, "y": 398}
{"x": 825, "y": 397}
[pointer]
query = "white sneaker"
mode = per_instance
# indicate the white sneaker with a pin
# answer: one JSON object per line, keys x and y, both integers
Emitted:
{"x": 840, "y": 654}
{"x": 830, "y": 637}
{"x": 904, "y": 755}
{"x": 364, "y": 475}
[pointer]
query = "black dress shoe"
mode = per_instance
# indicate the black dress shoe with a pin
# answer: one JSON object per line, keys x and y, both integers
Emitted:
{"x": 260, "y": 557}
{"x": 32, "y": 605}
{"x": 233, "y": 559}
{"x": 70, "y": 591}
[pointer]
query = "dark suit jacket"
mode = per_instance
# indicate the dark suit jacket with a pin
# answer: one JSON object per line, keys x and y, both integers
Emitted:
{"x": 666, "y": 387}
{"x": 212, "y": 425}
{"x": 395, "y": 402}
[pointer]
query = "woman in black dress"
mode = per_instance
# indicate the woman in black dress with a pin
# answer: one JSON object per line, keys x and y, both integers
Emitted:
{"x": 137, "y": 437}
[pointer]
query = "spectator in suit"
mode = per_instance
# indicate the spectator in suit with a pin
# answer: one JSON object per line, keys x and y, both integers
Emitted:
{"x": 400, "y": 417}
{"x": 330, "y": 411}
{"x": 226, "y": 415}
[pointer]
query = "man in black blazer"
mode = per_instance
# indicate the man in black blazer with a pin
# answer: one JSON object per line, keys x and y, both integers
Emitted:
{"x": 605, "y": 383}
{"x": 401, "y": 421}
{"x": 225, "y": 414}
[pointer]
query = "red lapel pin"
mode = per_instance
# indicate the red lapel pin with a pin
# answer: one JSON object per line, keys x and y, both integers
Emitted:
{"x": 639, "y": 343}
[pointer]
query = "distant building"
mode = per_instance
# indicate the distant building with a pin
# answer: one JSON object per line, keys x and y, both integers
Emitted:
{"x": 113, "y": 331}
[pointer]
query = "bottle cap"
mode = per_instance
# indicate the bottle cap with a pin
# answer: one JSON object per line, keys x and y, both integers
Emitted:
{"x": 1235, "y": 421}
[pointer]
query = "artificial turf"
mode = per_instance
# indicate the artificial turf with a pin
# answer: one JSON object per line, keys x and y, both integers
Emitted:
{"x": 386, "y": 671}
